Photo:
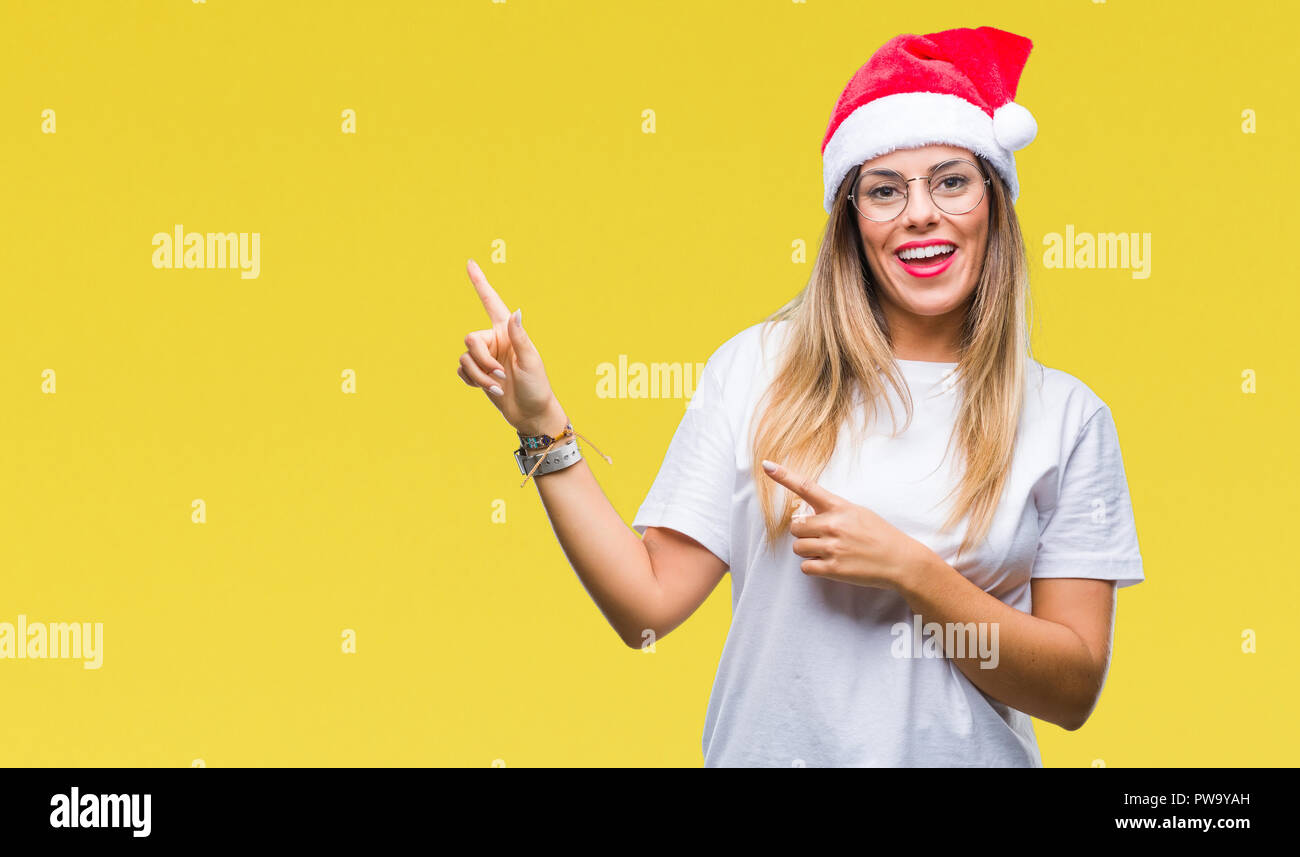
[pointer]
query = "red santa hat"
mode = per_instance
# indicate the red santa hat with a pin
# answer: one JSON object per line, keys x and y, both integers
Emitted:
{"x": 955, "y": 87}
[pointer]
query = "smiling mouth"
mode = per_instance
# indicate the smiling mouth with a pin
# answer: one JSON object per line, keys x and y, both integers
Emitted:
{"x": 938, "y": 258}
{"x": 928, "y": 266}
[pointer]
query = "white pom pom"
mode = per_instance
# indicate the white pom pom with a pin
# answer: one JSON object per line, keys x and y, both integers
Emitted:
{"x": 1013, "y": 126}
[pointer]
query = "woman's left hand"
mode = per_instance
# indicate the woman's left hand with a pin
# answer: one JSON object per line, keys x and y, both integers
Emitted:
{"x": 846, "y": 542}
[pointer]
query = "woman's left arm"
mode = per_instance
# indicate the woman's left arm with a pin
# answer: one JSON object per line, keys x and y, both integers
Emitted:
{"x": 1052, "y": 663}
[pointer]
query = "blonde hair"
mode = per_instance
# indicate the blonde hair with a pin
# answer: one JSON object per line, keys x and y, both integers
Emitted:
{"x": 839, "y": 336}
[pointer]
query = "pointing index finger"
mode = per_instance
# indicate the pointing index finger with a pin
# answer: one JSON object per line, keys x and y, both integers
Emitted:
{"x": 496, "y": 308}
{"x": 816, "y": 496}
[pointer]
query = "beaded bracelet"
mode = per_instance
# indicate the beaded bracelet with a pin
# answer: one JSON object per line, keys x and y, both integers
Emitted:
{"x": 539, "y": 441}
{"x": 527, "y": 441}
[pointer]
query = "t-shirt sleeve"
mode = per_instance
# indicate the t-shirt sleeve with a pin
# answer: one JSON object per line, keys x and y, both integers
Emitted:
{"x": 692, "y": 491}
{"x": 1091, "y": 531}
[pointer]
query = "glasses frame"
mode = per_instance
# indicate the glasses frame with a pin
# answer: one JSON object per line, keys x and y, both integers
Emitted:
{"x": 907, "y": 196}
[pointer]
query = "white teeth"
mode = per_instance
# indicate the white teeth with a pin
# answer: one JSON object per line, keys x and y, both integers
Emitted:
{"x": 925, "y": 252}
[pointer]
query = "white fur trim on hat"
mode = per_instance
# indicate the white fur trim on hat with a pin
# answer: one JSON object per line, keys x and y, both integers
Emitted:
{"x": 908, "y": 120}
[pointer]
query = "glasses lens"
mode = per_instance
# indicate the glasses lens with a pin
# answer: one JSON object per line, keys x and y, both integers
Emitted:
{"x": 880, "y": 195}
{"x": 957, "y": 186}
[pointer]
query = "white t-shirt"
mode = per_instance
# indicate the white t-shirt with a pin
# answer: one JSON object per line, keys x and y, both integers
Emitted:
{"x": 809, "y": 673}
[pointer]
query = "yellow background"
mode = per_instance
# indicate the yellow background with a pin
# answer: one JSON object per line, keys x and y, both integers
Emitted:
{"x": 522, "y": 122}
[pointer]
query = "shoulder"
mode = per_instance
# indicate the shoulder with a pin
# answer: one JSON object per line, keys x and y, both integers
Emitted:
{"x": 752, "y": 349}
{"x": 1060, "y": 399}
{"x": 740, "y": 369}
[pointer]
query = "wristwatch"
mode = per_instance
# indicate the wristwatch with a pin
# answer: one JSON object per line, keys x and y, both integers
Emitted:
{"x": 558, "y": 458}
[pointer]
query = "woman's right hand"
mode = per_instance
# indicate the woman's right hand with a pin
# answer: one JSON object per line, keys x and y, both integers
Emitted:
{"x": 504, "y": 362}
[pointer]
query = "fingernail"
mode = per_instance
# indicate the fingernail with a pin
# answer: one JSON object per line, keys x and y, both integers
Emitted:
{"x": 769, "y": 466}
{"x": 495, "y": 389}
{"x": 519, "y": 316}
{"x": 499, "y": 374}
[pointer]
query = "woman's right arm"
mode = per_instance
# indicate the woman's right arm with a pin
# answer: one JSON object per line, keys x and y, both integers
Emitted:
{"x": 653, "y": 583}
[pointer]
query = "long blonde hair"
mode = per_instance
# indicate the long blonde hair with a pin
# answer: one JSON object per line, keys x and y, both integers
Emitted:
{"x": 839, "y": 335}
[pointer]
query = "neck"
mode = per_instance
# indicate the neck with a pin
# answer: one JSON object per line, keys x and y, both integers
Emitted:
{"x": 929, "y": 338}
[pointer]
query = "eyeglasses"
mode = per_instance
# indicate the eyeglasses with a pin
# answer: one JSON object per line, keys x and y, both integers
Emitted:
{"x": 956, "y": 187}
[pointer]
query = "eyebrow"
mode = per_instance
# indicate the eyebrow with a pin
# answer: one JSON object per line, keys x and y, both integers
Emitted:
{"x": 896, "y": 172}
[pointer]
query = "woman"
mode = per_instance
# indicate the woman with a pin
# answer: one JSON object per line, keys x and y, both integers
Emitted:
{"x": 902, "y": 594}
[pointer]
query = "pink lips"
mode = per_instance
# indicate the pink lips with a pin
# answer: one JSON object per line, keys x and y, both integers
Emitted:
{"x": 927, "y": 270}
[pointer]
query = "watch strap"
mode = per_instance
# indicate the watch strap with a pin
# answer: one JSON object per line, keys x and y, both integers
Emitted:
{"x": 557, "y": 459}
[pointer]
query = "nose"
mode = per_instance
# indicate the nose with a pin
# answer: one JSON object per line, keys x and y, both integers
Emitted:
{"x": 920, "y": 209}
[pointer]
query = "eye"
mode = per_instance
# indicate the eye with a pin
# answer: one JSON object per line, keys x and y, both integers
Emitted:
{"x": 882, "y": 189}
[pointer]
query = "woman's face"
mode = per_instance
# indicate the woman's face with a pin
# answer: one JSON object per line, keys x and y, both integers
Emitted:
{"x": 926, "y": 291}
